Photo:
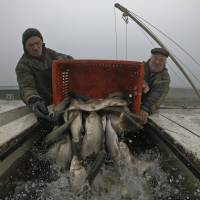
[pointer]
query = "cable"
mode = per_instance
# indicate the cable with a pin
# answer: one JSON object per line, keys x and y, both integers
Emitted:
{"x": 150, "y": 41}
{"x": 177, "y": 74}
{"x": 126, "y": 42}
{"x": 181, "y": 126}
{"x": 136, "y": 16}
{"x": 116, "y": 44}
{"x": 186, "y": 52}
{"x": 154, "y": 46}
{"x": 125, "y": 18}
{"x": 167, "y": 63}
{"x": 197, "y": 79}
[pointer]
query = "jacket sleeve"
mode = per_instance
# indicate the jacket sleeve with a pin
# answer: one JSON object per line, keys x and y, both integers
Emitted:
{"x": 155, "y": 97}
{"x": 26, "y": 82}
{"x": 59, "y": 56}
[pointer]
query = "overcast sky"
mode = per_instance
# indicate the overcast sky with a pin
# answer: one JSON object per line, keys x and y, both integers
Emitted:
{"x": 85, "y": 29}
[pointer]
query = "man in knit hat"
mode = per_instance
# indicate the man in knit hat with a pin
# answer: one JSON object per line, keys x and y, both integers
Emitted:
{"x": 33, "y": 72}
{"x": 156, "y": 82}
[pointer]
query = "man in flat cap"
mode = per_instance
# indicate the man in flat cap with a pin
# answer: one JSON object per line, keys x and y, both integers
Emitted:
{"x": 33, "y": 72}
{"x": 156, "y": 82}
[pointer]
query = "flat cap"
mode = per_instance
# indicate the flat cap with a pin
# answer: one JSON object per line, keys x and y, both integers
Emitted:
{"x": 161, "y": 51}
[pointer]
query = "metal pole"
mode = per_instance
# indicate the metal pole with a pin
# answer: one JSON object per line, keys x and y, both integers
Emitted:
{"x": 126, "y": 12}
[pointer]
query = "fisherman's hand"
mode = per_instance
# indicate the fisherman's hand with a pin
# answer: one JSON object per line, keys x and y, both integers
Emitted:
{"x": 38, "y": 107}
{"x": 144, "y": 116}
{"x": 145, "y": 87}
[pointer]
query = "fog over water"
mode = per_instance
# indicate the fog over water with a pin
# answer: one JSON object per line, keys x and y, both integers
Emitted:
{"x": 86, "y": 30}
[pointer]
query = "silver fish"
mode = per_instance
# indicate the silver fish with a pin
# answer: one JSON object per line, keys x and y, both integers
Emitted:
{"x": 117, "y": 122}
{"x": 96, "y": 104}
{"x": 64, "y": 155}
{"x": 124, "y": 122}
{"x": 62, "y": 105}
{"x": 56, "y": 111}
{"x": 52, "y": 135}
{"x": 125, "y": 155}
{"x": 93, "y": 138}
{"x": 103, "y": 119}
{"x": 76, "y": 126}
{"x": 58, "y": 131}
{"x": 61, "y": 152}
{"x": 53, "y": 151}
{"x": 77, "y": 174}
{"x": 112, "y": 141}
{"x": 120, "y": 94}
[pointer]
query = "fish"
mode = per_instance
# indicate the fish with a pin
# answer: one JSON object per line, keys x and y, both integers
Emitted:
{"x": 58, "y": 132}
{"x": 123, "y": 124}
{"x": 53, "y": 151}
{"x": 125, "y": 155}
{"x": 68, "y": 114}
{"x": 77, "y": 174}
{"x": 64, "y": 155}
{"x": 56, "y": 111}
{"x": 117, "y": 122}
{"x": 62, "y": 105}
{"x": 76, "y": 126}
{"x": 96, "y": 104}
{"x": 61, "y": 153}
{"x": 112, "y": 142}
{"x": 51, "y": 136}
{"x": 103, "y": 120}
{"x": 126, "y": 95}
{"x": 76, "y": 131}
{"x": 93, "y": 138}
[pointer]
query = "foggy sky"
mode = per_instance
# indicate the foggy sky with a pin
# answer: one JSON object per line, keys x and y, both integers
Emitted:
{"x": 85, "y": 29}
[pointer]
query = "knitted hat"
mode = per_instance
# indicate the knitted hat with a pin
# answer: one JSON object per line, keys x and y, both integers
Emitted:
{"x": 30, "y": 32}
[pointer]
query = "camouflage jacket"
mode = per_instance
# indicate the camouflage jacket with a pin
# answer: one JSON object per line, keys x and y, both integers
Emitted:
{"x": 159, "y": 87}
{"x": 34, "y": 75}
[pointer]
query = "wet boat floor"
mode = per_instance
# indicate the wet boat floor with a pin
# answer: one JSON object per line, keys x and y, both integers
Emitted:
{"x": 156, "y": 174}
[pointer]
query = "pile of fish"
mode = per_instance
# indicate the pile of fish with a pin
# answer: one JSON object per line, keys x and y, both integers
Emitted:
{"x": 93, "y": 130}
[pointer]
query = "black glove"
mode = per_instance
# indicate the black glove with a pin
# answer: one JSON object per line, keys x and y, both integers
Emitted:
{"x": 39, "y": 108}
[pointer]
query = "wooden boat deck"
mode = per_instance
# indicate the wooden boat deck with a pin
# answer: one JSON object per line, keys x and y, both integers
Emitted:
{"x": 182, "y": 127}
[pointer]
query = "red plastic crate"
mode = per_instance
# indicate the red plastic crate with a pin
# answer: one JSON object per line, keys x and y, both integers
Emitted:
{"x": 97, "y": 78}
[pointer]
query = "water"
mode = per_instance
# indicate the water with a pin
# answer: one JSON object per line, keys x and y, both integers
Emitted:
{"x": 154, "y": 175}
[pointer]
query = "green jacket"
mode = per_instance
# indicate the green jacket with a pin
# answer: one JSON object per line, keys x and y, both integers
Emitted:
{"x": 159, "y": 87}
{"x": 34, "y": 75}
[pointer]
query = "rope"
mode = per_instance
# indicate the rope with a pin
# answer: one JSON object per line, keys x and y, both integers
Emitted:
{"x": 116, "y": 44}
{"x": 178, "y": 45}
{"x": 181, "y": 126}
{"x": 126, "y": 42}
{"x": 150, "y": 41}
{"x": 125, "y": 18}
{"x": 197, "y": 79}
{"x": 177, "y": 74}
{"x": 137, "y": 17}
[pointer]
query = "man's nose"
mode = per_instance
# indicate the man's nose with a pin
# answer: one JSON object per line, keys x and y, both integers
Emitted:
{"x": 157, "y": 62}
{"x": 35, "y": 47}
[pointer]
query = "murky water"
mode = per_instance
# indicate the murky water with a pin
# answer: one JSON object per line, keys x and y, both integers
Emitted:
{"x": 154, "y": 175}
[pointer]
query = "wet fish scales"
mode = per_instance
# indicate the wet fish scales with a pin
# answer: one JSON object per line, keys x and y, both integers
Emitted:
{"x": 112, "y": 142}
{"x": 93, "y": 138}
{"x": 96, "y": 104}
{"x": 77, "y": 174}
{"x": 64, "y": 154}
